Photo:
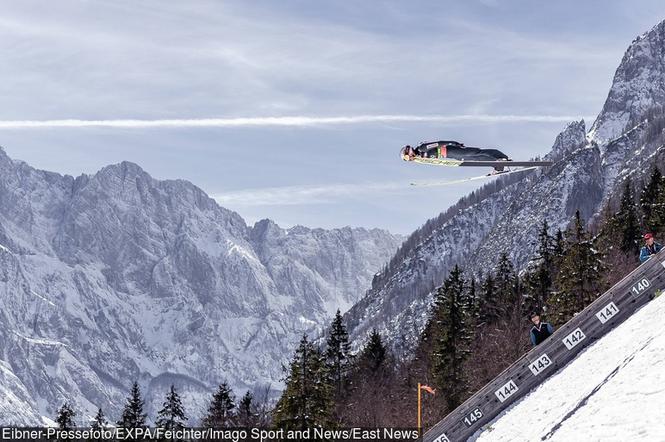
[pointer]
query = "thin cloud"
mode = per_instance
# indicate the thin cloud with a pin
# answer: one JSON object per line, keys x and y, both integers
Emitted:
{"x": 290, "y": 121}
{"x": 302, "y": 195}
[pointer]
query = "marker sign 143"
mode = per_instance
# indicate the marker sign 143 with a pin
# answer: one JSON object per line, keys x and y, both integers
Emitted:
{"x": 540, "y": 364}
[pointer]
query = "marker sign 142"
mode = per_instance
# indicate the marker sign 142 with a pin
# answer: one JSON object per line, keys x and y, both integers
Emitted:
{"x": 540, "y": 364}
{"x": 506, "y": 391}
{"x": 442, "y": 438}
{"x": 607, "y": 312}
{"x": 574, "y": 338}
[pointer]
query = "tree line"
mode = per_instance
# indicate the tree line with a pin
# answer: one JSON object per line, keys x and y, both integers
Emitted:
{"x": 224, "y": 411}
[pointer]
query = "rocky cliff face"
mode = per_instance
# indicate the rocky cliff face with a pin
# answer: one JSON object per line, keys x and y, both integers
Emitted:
{"x": 117, "y": 276}
{"x": 625, "y": 140}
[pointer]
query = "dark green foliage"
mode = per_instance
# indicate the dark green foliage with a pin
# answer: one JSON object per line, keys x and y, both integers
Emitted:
{"x": 99, "y": 421}
{"x": 132, "y": 414}
{"x": 220, "y": 410}
{"x": 65, "y": 417}
{"x": 490, "y": 307}
{"x": 338, "y": 352}
{"x": 539, "y": 280}
{"x": 373, "y": 355}
{"x": 626, "y": 218}
{"x": 172, "y": 415}
{"x": 472, "y": 302}
{"x": 307, "y": 400}
{"x": 652, "y": 202}
{"x": 451, "y": 338}
{"x": 247, "y": 415}
{"x": 559, "y": 246}
{"x": 580, "y": 275}
{"x": 505, "y": 281}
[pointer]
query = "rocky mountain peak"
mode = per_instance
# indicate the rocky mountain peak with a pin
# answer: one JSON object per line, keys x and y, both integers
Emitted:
{"x": 572, "y": 137}
{"x": 638, "y": 85}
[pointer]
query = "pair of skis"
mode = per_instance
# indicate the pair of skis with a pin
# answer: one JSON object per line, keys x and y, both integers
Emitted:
{"x": 464, "y": 180}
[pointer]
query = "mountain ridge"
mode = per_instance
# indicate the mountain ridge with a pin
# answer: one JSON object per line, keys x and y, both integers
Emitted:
{"x": 117, "y": 276}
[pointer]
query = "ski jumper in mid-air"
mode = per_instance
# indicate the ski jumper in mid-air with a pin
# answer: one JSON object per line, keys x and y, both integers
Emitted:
{"x": 454, "y": 153}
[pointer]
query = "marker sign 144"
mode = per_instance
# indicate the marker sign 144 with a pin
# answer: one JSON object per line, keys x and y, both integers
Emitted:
{"x": 506, "y": 391}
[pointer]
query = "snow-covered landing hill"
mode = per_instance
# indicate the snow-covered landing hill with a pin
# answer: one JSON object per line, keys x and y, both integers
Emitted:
{"x": 613, "y": 391}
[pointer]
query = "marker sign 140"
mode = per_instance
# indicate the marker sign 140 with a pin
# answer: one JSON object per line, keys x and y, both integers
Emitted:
{"x": 641, "y": 286}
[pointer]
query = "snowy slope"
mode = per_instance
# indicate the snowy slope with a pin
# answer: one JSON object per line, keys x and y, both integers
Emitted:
{"x": 117, "y": 276}
{"x": 613, "y": 391}
{"x": 624, "y": 141}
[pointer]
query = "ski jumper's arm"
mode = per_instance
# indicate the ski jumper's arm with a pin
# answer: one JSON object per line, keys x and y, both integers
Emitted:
{"x": 533, "y": 337}
{"x": 644, "y": 254}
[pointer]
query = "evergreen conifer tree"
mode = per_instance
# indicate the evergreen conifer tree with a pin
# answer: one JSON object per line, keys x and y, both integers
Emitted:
{"x": 539, "y": 281}
{"x": 247, "y": 415}
{"x": 629, "y": 228}
{"x": 338, "y": 351}
{"x": 652, "y": 202}
{"x": 172, "y": 415}
{"x": 374, "y": 354}
{"x": 132, "y": 414}
{"x": 506, "y": 284}
{"x": 307, "y": 400}
{"x": 489, "y": 304}
{"x": 220, "y": 410}
{"x": 580, "y": 275}
{"x": 559, "y": 247}
{"x": 451, "y": 339}
{"x": 65, "y": 417}
{"x": 99, "y": 422}
{"x": 472, "y": 302}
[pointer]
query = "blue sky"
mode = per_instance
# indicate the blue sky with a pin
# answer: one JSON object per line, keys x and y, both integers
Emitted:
{"x": 186, "y": 61}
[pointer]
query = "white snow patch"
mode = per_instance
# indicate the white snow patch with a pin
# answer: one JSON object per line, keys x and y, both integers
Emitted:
{"x": 42, "y": 298}
{"x": 615, "y": 390}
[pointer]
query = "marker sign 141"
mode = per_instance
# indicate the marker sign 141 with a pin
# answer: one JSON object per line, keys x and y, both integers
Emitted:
{"x": 607, "y": 312}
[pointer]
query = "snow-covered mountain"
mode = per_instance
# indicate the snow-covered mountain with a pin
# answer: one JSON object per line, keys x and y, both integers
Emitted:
{"x": 117, "y": 276}
{"x": 613, "y": 391}
{"x": 505, "y": 216}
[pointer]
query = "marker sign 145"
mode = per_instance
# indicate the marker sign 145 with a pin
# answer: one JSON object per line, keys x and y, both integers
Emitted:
{"x": 473, "y": 417}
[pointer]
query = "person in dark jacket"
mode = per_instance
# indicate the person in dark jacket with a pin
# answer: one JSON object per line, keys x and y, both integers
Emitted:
{"x": 540, "y": 330}
{"x": 651, "y": 247}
